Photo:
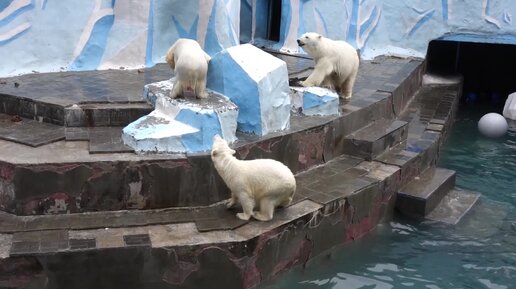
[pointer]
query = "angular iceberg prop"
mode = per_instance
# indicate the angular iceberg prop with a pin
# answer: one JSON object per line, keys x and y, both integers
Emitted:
{"x": 257, "y": 83}
{"x": 314, "y": 101}
{"x": 181, "y": 125}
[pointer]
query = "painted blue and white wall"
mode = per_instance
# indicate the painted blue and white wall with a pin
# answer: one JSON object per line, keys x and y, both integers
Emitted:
{"x": 54, "y": 35}
{"x": 376, "y": 27}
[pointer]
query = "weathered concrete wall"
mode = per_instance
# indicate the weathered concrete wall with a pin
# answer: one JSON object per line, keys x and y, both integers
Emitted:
{"x": 231, "y": 265}
{"x": 50, "y": 35}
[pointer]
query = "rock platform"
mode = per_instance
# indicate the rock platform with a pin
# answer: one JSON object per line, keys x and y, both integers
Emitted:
{"x": 81, "y": 210}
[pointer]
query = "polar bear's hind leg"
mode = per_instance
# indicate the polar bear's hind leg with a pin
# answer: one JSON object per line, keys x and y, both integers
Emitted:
{"x": 247, "y": 206}
{"x": 176, "y": 90}
{"x": 346, "y": 89}
{"x": 266, "y": 212}
{"x": 200, "y": 88}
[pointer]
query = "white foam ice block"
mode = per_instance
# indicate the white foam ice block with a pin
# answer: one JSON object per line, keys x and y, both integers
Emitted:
{"x": 181, "y": 125}
{"x": 257, "y": 83}
{"x": 314, "y": 101}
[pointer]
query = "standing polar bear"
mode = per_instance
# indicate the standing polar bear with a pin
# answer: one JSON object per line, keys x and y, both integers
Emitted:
{"x": 190, "y": 64}
{"x": 264, "y": 183}
{"x": 336, "y": 63}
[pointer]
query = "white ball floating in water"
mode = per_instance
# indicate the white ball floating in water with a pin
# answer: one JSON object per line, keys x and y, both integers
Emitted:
{"x": 493, "y": 125}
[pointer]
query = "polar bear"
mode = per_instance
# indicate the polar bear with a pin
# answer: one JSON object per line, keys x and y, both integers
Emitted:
{"x": 336, "y": 63}
{"x": 264, "y": 183}
{"x": 190, "y": 64}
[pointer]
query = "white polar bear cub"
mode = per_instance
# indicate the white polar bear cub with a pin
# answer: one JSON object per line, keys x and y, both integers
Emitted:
{"x": 265, "y": 183}
{"x": 336, "y": 63}
{"x": 190, "y": 64}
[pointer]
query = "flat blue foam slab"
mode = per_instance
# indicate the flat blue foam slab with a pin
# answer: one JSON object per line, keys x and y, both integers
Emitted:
{"x": 314, "y": 101}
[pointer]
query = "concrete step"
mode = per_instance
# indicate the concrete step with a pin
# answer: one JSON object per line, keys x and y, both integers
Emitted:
{"x": 29, "y": 132}
{"x": 105, "y": 114}
{"x": 454, "y": 206}
{"x": 419, "y": 197}
{"x": 374, "y": 139}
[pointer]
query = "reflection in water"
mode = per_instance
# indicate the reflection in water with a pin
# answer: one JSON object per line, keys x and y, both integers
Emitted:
{"x": 479, "y": 252}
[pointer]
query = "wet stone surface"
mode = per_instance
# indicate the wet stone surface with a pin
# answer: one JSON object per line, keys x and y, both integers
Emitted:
{"x": 421, "y": 196}
{"x": 453, "y": 206}
{"x": 337, "y": 202}
{"x": 67, "y": 88}
{"x": 376, "y": 138}
{"x": 107, "y": 140}
{"x": 29, "y": 132}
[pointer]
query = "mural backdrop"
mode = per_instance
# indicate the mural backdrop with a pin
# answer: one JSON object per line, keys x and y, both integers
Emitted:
{"x": 54, "y": 35}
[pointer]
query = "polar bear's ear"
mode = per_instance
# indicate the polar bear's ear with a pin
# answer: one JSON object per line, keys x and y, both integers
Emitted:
{"x": 319, "y": 36}
{"x": 170, "y": 59}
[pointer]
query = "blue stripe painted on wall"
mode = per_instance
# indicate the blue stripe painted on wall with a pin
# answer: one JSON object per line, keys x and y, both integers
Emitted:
{"x": 16, "y": 13}
{"x": 14, "y": 37}
{"x": 487, "y": 7}
{"x": 192, "y": 34}
{"x": 369, "y": 21}
{"x": 286, "y": 18}
{"x": 351, "y": 38}
{"x": 230, "y": 32}
{"x": 93, "y": 51}
{"x": 421, "y": 21}
{"x": 4, "y": 4}
{"x": 212, "y": 44}
{"x": 301, "y": 27}
{"x": 444, "y": 4}
{"x": 150, "y": 36}
{"x": 325, "y": 25}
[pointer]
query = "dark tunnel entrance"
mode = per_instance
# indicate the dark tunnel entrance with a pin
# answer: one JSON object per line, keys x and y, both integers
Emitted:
{"x": 489, "y": 70}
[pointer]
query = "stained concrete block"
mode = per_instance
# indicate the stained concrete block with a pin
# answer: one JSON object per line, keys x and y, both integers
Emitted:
{"x": 314, "y": 101}
{"x": 257, "y": 83}
{"x": 376, "y": 138}
{"x": 181, "y": 125}
{"x": 423, "y": 194}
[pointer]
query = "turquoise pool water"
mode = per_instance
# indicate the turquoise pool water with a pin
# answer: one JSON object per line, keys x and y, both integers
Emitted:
{"x": 479, "y": 252}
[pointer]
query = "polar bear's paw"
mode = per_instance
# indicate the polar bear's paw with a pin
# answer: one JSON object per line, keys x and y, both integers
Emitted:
{"x": 230, "y": 203}
{"x": 261, "y": 217}
{"x": 346, "y": 97}
{"x": 307, "y": 83}
{"x": 202, "y": 95}
{"x": 243, "y": 216}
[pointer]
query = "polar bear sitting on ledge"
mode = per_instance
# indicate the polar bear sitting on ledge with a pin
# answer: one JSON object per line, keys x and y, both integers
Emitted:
{"x": 336, "y": 63}
{"x": 190, "y": 64}
{"x": 265, "y": 183}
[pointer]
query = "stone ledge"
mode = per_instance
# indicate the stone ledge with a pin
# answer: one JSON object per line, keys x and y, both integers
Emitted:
{"x": 337, "y": 180}
{"x": 309, "y": 142}
{"x": 104, "y": 114}
{"x": 254, "y": 252}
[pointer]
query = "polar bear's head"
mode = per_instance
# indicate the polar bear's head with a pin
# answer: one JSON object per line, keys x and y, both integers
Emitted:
{"x": 220, "y": 148}
{"x": 310, "y": 42}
